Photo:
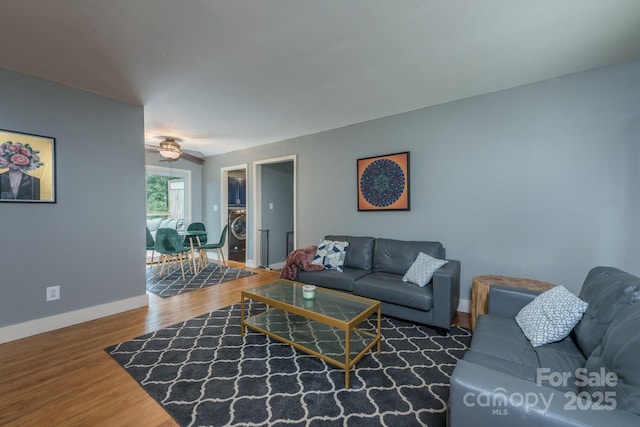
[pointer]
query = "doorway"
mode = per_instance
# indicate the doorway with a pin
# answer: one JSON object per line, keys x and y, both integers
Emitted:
{"x": 275, "y": 207}
{"x": 234, "y": 211}
{"x": 237, "y": 214}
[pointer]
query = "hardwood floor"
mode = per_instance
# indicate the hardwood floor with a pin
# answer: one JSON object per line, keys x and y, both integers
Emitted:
{"x": 65, "y": 378}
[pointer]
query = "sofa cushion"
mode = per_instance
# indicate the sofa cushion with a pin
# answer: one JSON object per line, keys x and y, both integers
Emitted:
{"x": 154, "y": 224}
{"x": 607, "y": 290}
{"x": 512, "y": 353}
{"x": 396, "y": 256}
{"x": 551, "y": 316}
{"x": 502, "y": 338}
{"x": 168, "y": 223}
{"x": 332, "y": 279}
{"x": 554, "y": 363}
{"x": 562, "y": 357}
{"x": 330, "y": 254}
{"x": 618, "y": 354}
{"x": 422, "y": 269}
{"x": 516, "y": 369}
{"x": 360, "y": 253}
{"x": 389, "y": 288}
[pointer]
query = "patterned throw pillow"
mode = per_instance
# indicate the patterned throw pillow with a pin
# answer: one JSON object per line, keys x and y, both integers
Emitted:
{"x": 422, "y": 269}
{"x": 550, "y": 316}
{"x": 331, "y": 254}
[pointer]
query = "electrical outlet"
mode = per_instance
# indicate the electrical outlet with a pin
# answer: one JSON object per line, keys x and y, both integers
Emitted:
{"x": 53, "y": 293}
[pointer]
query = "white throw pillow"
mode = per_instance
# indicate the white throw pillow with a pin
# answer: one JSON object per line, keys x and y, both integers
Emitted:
{"x": 422, "y": 269}
{"x": 550, "y": 316}
{"x": 331, "y": 254}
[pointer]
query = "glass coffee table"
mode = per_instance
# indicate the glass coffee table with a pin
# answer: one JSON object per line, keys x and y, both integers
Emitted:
{"x": 327, "y": 326}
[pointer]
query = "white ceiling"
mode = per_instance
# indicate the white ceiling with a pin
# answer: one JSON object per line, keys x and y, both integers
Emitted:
{"x": 229, "y": 74}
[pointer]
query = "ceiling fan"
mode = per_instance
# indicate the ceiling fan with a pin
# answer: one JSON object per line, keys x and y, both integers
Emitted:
{"x": 170, "y": 150}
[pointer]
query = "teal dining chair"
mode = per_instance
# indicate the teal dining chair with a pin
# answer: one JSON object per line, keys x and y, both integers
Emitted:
{"x": 217, "y": 246}
{"x": 195, "y": 226}
{"x": 172, "y": 251}
{"x": 151, "y": 244}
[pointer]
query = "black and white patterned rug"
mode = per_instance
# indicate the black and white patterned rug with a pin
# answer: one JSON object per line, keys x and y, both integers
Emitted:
{"x": 204, "y": 373}
{"x": 172, "y": 284}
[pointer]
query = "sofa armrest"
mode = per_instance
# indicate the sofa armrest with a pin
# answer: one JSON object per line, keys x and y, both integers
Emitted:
{"x": 485, "y": 397}
{"x": 507, "y": 301}
{"x": 446, "y": 293}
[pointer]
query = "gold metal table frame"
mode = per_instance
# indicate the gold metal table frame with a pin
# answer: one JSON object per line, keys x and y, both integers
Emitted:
{"x": 333, "y": 315}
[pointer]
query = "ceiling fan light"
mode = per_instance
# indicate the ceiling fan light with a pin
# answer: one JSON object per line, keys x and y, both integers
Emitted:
{"x": 169, "y": 149}
{"x": 169, "y": 154}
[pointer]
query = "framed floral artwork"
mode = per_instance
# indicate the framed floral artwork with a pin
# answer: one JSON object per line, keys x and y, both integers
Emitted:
{"x": 383, "y": 183}
{"x": 27, "y": 168}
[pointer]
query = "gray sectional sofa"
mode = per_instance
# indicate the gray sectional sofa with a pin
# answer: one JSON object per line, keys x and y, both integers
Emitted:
{"x": 374, "y": 267}
{"x": 157, "y": 223}
{"x": 590, "y": 378}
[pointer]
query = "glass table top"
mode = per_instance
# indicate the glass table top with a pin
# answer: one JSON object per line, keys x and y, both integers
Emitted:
{"x": 334, "y": 304}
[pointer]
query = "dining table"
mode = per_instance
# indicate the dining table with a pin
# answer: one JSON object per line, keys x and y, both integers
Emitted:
{"x": 194, "y": 242}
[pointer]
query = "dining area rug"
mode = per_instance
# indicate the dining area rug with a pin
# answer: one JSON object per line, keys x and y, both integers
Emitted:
{"x": 173, "y": 284}
{"x": 203, "y": 372}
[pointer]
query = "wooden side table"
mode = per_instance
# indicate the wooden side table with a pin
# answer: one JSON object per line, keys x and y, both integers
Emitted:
{"x": 480, "y": 291}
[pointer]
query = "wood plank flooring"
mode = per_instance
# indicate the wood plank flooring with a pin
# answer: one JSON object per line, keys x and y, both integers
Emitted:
{"x": 65, "y": 378}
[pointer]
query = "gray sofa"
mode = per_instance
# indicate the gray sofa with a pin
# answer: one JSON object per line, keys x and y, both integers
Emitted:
{"x": 590, "y": 378}
{"x": 374, "y": 267}
{"x": 157, "y": 223}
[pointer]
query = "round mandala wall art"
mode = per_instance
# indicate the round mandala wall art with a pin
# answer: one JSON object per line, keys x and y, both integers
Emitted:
{"x": 383, "y": 182}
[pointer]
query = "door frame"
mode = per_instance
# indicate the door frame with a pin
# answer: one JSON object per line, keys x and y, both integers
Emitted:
{"x": 224, "y": 201}
{"x": 257, "y": 201}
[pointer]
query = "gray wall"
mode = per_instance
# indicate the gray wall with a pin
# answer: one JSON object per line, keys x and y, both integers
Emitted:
{"x": 277, "y": 188}
{"x": 539, "y": 181}
{"x": 91, "y": 242}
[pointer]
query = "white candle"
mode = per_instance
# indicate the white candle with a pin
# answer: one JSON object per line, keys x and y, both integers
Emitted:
{"x": 308, "y": 292}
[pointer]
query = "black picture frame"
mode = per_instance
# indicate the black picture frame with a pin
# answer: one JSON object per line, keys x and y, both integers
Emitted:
{"x": 27, "y": 167}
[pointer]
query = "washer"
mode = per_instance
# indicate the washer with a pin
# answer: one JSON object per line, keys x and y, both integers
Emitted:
{"x": 237, "y": 234}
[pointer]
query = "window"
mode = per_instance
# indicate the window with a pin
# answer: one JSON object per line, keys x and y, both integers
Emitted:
{"x": 168, "y": 194}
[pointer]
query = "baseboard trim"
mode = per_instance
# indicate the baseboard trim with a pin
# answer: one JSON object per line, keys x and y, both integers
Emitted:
{"x": 249, "y": 262}
{"x": 62, "y": 320}
{"x": 464, "y": 305}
